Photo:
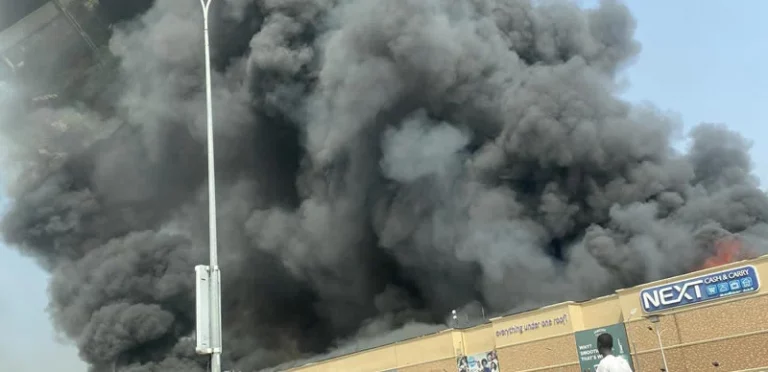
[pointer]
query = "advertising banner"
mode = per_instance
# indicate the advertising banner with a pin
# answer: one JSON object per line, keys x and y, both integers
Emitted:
{"x": 586, "y": 346}
{"x": 480, "y": 362}
{"x": 734, "y": 282}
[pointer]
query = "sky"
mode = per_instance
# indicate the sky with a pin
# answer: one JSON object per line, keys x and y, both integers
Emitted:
{"x": 701, "y": 60}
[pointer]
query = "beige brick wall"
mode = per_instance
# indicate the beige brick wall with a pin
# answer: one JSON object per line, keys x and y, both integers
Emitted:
{"x": 733, "y": 354}
{"x": 445, "y": 365}
{"x": 555, "y": 351}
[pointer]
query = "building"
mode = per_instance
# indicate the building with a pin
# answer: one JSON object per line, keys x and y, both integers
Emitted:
{"x": 708, "y": 320}
{"x": 53, "y": 48}
{"x": 54, "y": 56}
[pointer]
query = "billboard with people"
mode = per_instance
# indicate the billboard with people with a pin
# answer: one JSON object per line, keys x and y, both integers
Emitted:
{"x": 480, "y": 362}
{"x": 586, "y": 345}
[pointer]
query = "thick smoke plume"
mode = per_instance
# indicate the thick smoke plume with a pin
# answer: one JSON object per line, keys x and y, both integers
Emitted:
{"x": 379, "y": 164}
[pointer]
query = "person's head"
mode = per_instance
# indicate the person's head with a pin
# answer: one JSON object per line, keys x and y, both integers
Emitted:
{"x": 485, "y": 363}
{"x": 605, "y": 344}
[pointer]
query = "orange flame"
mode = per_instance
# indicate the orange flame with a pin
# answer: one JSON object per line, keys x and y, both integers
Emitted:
{"x": 727, "y": 250}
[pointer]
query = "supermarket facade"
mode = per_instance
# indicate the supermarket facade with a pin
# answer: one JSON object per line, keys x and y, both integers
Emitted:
{"x": 709, "y": 320}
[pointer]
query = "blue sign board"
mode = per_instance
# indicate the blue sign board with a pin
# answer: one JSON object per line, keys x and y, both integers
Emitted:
{"x": 737, "y": 281}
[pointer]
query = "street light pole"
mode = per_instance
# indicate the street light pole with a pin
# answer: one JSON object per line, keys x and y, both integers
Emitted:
{"x": 655, "y": 320}
{"x": 209, "y": 340}
{"x": 661, "y": 348}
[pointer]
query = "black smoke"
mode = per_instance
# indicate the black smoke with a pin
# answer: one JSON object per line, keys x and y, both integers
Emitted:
{"x": 379, "y": 164}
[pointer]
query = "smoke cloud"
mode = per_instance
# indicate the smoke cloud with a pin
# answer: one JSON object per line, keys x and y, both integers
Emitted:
{"x": 379, "y": 164}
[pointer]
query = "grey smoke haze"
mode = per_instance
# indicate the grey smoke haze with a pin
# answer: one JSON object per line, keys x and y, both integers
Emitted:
{"x": 380, "y": 163}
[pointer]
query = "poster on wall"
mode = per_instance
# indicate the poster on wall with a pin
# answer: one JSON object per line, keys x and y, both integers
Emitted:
{"x": 586, "y": 346}
{"x": 480, "y": 362}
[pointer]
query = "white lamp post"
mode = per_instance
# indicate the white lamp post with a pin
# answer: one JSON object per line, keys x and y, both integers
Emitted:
{"x": 208, "y": 278}
{"x": 655, "y": 320}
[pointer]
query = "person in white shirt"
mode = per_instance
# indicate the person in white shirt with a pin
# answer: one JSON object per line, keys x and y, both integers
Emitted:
{"x": 610, "y": 362}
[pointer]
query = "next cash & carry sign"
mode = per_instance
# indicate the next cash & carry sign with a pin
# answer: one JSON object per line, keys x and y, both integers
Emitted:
{"x": 733, "y": 282}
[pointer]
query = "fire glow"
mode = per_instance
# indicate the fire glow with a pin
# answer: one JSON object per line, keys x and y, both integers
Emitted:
{"x": 727, "y": 250}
